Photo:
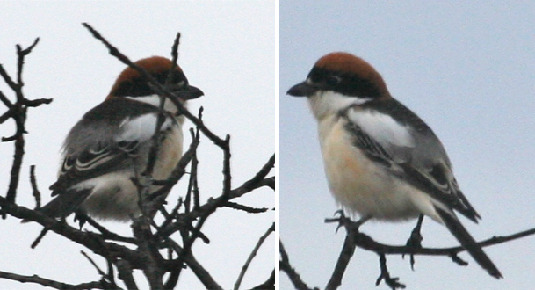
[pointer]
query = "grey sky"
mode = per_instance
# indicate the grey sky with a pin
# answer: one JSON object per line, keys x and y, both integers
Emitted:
{"x": 468, "y": 70}
{"x": 227, "y": 49}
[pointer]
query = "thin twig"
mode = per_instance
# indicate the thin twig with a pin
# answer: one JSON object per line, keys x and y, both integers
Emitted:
{"x": 225, "y": 195}
{"x": 37, "y": 240}
{"x": 35, "y": 190}
{"x": 247, "y": 209}
{"x": 52, "y": 283}
{"x": 253, "y": 254}
{"x": 4, "y": 99}
{"x": 211, "y": 205}
{"x": 17, "y": 112}
{"x": 257, "y": 181}
{"x": 99, "y": 271}
{"x": 204, "y": 276}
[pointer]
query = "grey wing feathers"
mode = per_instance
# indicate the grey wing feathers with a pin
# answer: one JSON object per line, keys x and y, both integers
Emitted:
{"x": 93, "y": 162}
{"x": 426, "y": 165}
{"x": 91, "y": 148}
{"x": 96, "y": 145}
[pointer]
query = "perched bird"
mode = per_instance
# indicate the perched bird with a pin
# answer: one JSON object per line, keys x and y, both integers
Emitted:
{"x": 109, "y": 148}
{"x": 381, "y": 160}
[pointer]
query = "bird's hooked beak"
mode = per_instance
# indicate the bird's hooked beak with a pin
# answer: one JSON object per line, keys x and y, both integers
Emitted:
{"x": 303, "y": 89}
{"x": 188, "y": 92}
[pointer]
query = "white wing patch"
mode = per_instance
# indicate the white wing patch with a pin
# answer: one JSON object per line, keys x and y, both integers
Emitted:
{"x": 140, "y": 128}
{"x": 382, "y": 128}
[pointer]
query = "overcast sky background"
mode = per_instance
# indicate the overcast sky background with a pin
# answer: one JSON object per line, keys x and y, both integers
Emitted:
{"x": 227, "y": 49}
{"x": 468, "y": 70}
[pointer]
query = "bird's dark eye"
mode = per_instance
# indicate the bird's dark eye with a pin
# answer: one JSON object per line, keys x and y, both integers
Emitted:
{"x": 177, "y": 78}
{"x": 333, "y": 80}
{"x": 324, "y": 77}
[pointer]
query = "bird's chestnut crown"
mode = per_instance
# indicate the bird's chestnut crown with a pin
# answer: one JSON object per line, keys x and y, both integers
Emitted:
{"x": 130, "y": 83}
{"x": 348, "y": 74}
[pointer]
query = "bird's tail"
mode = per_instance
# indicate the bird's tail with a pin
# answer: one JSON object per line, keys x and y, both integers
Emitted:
{"x": 65, "y": 203}
{"x": 468, "y": 242}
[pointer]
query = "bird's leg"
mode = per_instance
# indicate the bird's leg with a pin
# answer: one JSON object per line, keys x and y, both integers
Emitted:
{"x": 80, "y": 217}
{"x": 141, "y": 179}
{"x": 356, "y": 225}
{"x": 346, "y": 222}
{"x": 393, "y": 283}
{"x": 415, "y": 240}
{"x": 339, "y": 218}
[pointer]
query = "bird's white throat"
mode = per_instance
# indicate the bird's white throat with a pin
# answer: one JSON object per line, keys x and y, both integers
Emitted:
{"x": 325, "y": 103}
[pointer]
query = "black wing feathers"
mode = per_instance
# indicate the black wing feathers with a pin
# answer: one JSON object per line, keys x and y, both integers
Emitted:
{"x": 434, "y": 182}
{"x": 468, "y": 242}
{"x": 93, "y": 163}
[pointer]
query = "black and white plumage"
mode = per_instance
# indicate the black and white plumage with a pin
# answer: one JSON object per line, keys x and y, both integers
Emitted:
{"x": 380, "y": 158}
{"x": 109, "y": 147}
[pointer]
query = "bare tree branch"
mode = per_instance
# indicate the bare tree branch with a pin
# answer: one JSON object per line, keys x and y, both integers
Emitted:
{"x": 35, "y": 190}
{"x": 143, "y": 250}
{"x": 17, "y": 112}
{"x": 344, "y": 258}
{"x": 126, "y": 274}
{"x": 54, "y": 284}
{"x": 268, "y": 284}
{"x": 253, "y": 254}
{"x": 354, "y": 239}
{"x": 247, "y": 209}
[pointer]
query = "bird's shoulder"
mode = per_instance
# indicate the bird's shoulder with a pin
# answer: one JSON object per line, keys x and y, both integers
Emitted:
{"x": 400, "y": 113}
{"x": 116, "y": 119}
{"x": 398, "y": 129}
{"x": 116, "y": 109}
